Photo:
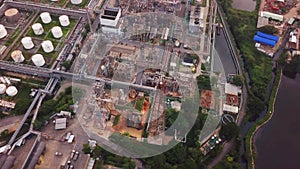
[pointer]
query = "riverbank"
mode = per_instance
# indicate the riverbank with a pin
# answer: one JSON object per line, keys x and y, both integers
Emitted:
{"x": 250, "y": 147}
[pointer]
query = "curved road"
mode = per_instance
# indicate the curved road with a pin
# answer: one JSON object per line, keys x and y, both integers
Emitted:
{"x": 228, "y": 145}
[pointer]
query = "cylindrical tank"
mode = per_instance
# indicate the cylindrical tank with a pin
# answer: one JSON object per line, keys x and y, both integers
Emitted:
{"x": 17, "y": 56}
{"x": 12, "y": 15}
{"x": 27, "y": 43}
{"x": 64, "y": 20}
{"x": 47, "y": 46}
{"x": 37, "y": 29}
{"x": 38, "y": 60}
{"x": 11, "y": 91}
{"x": 46, "y": 18}
{"x": 57, "y": 32}
{"x": 76, "y": 2}
{"x": 2, "y": 88}
{"x": 3, "y": 32}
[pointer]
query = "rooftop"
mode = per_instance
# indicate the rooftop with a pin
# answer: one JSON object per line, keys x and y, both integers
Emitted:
{"x": 61, "y": 123}
{"x": 232, "y": 89}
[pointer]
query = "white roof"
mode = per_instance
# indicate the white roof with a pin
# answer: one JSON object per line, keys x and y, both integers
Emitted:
{"x": 229, "y": 108}
{"x": 291, "y": 20}
{"x": 271, "y": 15}
{"x": 293, "y": 39}
{"x": 280, "y": 0}
{"x": 60, "y": 123}
{"x": 3, "y": 148}
{"x": 232, "y": 89}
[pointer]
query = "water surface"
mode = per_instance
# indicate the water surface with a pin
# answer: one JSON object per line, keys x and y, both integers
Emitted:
{"x": 278, "y": 142}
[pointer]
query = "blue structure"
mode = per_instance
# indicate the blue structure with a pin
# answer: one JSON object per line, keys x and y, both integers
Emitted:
{"x": 265, "y": 41}
{"x": 268, "y": 36}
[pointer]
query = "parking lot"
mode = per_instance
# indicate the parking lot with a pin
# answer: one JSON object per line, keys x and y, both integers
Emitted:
{"x": 55, "y": 142}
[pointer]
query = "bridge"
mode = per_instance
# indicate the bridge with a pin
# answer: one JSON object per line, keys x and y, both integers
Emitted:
{"x": 39, "y": 97}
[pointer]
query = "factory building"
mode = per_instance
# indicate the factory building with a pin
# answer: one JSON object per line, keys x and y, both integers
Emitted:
{"x": 109, "y": 20}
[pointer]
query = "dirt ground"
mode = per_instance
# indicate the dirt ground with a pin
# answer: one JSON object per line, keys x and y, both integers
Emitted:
{"x": 21, "y": 153}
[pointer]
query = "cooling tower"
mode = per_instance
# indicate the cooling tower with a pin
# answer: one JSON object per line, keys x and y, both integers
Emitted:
{"x": 27, "y": 43}
{"x": 38, "y": 60}
{"x": 17, "y": 56}
{"x": 76, "y": 2}
{"x": 12, "y": 15}
{"x": 64, "y": 20}
{"x": 57, "y": 32}
{"x": 2, "y": 88}
{"x": 3, "y": 32}
{"x": 37, "y": 29}
{"x": 46, "y": 18}
{"x": 47, "y": 46}
{"x": 11, "y": 91}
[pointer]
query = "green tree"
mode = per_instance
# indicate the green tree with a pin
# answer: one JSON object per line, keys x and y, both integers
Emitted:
{"x": 229, "y": 131}
{"x": 4, "y": 133}
{"x": 86, "y": 149}
{"x": 37, "y": 124}
{"x": 190, "y": 164}
{"x": 97, "y": 152}
{"x": 238, "y": 80}
{"x": 67, "y": 65}
{"x": 269, "y": 29}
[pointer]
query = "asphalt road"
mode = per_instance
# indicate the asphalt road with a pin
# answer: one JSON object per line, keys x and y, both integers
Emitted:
{"x": 221, "y": 47}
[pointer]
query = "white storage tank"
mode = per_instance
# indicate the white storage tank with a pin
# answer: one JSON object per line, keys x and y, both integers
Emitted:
{"x": 11, "y": 91}
{"x": 46, "y": 18}
{"x": 76, "y": 2}
{"x": 2, "y": 88}
{"x": 37, "y": 29}
{"x": 27, "y": 43}
{"x": 3, "y": 32}
{"x": 38, "y": 60}
{"x": 64, "y": 20}
{"x": 47, "y": 46}
{"x": 57, "y": 32}
{"x": 17, "y": 56}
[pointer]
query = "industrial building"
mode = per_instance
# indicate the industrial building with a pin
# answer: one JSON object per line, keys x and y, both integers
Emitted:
{"x": 134, "y": 120}
{"x": 196, "y": 19}
{"x": 60, "y": 123}
{"x": 266, "y": 39}
{"x": 232, "y": 98}
{"x": 187, "y": 61}
{"x": 271, "y": 15}
{"x": 109, "y": 19}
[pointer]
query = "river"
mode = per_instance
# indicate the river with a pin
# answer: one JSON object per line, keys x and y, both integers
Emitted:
{"x": 277, "y": 143}
{"x": 247, "y": 5}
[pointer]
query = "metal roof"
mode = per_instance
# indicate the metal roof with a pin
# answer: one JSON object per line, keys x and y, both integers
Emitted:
{"x": 37, "y": 155}
{"x": 232, "y": 89}
{"x": 60, "y": 123}
{"x": 233, "y": 109}
{"x": 7, "y": 162}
